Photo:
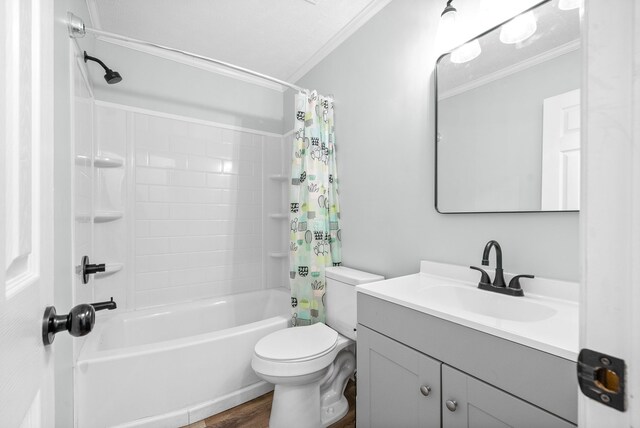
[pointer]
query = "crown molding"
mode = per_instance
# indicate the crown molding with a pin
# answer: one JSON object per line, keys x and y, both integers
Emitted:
{"x": 512, "y": 69}
{"x": 352, "y": 26}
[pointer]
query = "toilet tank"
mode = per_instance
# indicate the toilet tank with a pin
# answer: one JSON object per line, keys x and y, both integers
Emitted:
{"x": 340, "y": 298}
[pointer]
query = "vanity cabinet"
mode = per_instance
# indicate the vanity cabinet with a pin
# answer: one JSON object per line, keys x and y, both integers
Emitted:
{"x": 468, "y": 402}
{"x": 494, "y": 382}
{"x": 397, "y": 386}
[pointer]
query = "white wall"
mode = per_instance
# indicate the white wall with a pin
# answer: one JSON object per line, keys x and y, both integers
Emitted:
{"x": 382, "y": 80}
{"x": 160, "y": 84}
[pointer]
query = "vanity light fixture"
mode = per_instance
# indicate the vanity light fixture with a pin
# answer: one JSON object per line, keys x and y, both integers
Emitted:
{"x": 448, "y": 15}
{"x": 447, "y": 30}
{"x": 568, "y": 4}
{"x": 519, "y": 28}
{"x": 463, "y": 53}
{"x": 466, "y": 52}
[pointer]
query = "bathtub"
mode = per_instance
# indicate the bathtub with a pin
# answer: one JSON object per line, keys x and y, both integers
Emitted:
{"x": 173, "y": 365}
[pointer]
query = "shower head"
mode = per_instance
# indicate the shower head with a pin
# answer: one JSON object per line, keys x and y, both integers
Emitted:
{"x": 110, "y": 76}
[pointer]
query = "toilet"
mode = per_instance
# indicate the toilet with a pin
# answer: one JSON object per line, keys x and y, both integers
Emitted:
{"x": 310, "y": 365}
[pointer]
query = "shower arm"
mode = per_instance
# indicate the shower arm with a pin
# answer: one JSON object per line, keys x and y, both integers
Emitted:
{"x": 92, "y": 58}
{"x": 77, "y": 29}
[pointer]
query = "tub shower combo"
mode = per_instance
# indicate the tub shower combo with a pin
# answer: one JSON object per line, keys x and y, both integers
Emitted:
{"x": 188, "y": 219}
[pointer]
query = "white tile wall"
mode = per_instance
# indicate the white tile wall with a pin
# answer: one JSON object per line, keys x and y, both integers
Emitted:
{"x": 83, "y": 177}
{"x": 111, "y": 194}
{"x": 198, "y": 210}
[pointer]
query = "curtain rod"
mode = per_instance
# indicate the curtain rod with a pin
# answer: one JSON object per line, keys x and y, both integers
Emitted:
{"x": 77, "y": 29}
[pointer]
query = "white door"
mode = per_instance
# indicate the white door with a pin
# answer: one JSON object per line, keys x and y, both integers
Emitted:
{"x": 610, "y": 207}
{"x": 561, "y": 152}
{"x": 26, "y": 195}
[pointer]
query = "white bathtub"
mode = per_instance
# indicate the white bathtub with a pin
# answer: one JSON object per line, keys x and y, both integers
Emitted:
{"x": 174, "y": 365}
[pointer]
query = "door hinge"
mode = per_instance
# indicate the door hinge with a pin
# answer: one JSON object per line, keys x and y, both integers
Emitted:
{"x": 602, "y": 378}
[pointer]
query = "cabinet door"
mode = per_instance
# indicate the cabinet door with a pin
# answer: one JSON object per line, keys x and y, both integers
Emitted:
{"x": 392, "y": 382}
{"x": 479, "y": 405}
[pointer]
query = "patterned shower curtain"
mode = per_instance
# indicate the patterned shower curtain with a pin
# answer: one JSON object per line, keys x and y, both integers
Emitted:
{"x": 315, "y": 211}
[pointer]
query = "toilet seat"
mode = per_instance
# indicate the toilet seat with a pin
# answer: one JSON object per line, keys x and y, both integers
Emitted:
{"x": 297, "y": 344}
{"x": 297, "y": 351}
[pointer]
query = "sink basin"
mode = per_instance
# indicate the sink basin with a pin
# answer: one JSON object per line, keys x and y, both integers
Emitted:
{"x": 487, "y": 303}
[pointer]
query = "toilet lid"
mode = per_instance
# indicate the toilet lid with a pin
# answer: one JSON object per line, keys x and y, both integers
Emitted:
{"x": 297, "y": 343}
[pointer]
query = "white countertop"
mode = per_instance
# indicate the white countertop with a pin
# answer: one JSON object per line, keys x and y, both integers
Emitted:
{"x": 554, "y": 331}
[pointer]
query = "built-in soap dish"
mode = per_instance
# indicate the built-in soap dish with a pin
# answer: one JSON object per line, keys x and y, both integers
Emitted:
{"x": 108, "y": 160}
{"x": 107, "y": 216}
{"x": 109, "y": 269}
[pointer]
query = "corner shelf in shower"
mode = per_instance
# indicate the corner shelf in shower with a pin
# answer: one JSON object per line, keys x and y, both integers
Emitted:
{"x": 108, "y": 160}
{"x": 110, "y": 269}
{"x": 279, "y": 177}
{"x": 279, "y": 255}
{"x": 107, "y": 216}
{"x": 279, "y": 216}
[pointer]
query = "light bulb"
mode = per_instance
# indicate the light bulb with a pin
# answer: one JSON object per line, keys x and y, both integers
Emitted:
{"x": 448, "y": 21}
{"x": 568, "y": 4}
{"x": 519, "y": 28}
{"x": 466, "y": 52}
{"x": 447, "y": 29}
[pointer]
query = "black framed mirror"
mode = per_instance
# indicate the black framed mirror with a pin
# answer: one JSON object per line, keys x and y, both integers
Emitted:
{"x": 508, "y": 116}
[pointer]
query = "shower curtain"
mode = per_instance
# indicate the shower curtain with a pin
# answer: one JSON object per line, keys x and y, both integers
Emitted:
{"x": 315, "y": 211}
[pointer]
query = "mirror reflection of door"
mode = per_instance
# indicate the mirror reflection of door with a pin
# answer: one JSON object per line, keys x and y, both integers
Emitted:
{"x": 561, "y": 152}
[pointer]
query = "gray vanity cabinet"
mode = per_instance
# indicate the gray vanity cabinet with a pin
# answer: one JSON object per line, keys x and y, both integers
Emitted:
{"x": 401, "y": 350}
{"x": 397, "y": 386}
{"x": 468, "y": 402}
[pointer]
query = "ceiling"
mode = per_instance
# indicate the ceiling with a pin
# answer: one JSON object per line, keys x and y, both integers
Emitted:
{"x": 282, "y": 38}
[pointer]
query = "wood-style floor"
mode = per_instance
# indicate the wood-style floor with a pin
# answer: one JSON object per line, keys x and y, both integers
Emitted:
{"x": 255, "y": 413}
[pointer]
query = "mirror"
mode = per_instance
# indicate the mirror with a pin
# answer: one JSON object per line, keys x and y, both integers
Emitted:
{"x": 508, "y": 116}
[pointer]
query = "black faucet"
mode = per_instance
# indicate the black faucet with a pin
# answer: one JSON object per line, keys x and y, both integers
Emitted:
{"x": 498, "y": 280}
{"x": 498, "y": 285}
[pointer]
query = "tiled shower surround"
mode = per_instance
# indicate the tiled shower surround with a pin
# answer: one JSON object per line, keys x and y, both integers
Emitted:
{"x": 196, "y": 207}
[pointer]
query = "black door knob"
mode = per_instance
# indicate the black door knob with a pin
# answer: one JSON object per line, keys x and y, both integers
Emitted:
{"x": 78, "y": 322}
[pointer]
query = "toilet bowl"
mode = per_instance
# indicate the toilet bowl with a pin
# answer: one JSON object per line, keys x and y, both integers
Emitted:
{"x": 310, "y": 365}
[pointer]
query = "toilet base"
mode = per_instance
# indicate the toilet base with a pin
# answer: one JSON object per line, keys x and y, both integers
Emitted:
{"x": 335, "y": 412}
{"x": 333, "y": 403}
{"x": 316, "y": 404}
{"x": 296, "y": 405}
